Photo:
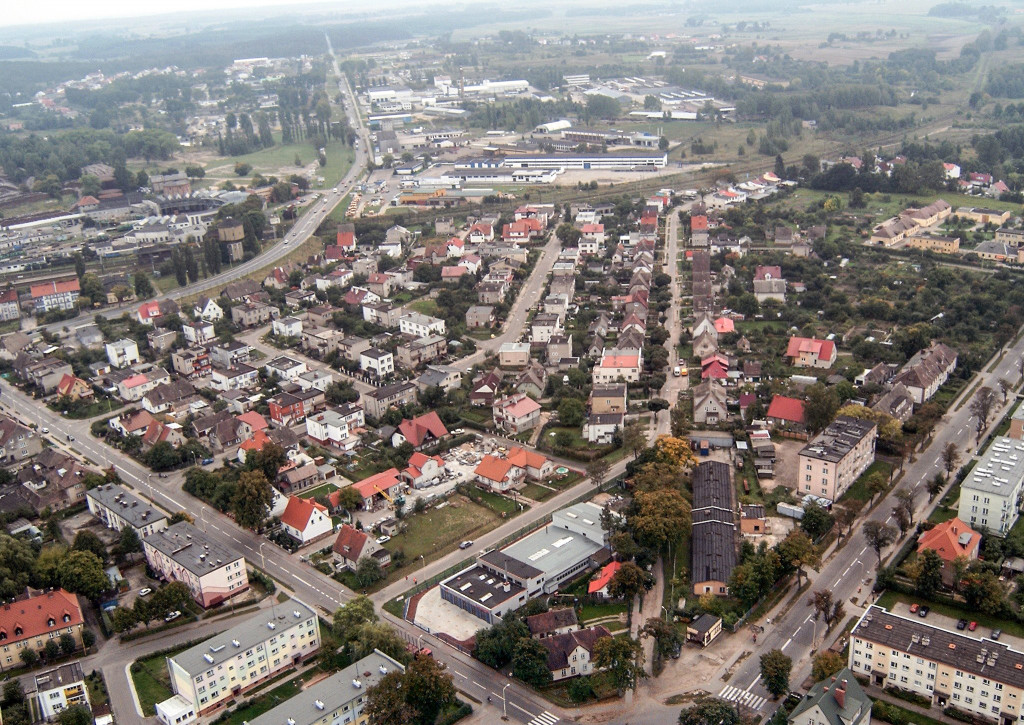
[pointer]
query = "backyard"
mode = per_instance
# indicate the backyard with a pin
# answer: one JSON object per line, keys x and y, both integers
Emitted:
{"x": 151, "y": 679}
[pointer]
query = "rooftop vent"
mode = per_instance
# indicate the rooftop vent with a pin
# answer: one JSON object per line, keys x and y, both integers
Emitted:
{"x": 319, "y": 704}
{"x": 271, "y": 625}
{"x": 357, "y": 684}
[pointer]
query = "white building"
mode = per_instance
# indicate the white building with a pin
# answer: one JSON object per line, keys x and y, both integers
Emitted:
{"x": 58, "y": 689}
{"x": 123, "y": 353}
{"x": 419, "y": 325}
{"x": 286, "y": 368}
{"x": 238, "y": 377}
{"x": 287, "y": 327}
{"x": 198, "y": 333}
{"x": 990, "y": 495}
{"x": 184, "y": 553}
{"x": 331, "y": 429}
{"x": 118, "y": 507}
{"x": 305, "y": 520}
{"x": 376, "y": 362}
{"x": 235, "y": 661}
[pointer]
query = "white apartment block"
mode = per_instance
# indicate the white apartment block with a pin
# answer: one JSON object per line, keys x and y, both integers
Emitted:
{"x": 123, "y": 353}
{"x": 331, "y": 429}
{"x": 978, "y": 676}
{"x": 376, "y": 362}
{"x": 58, "y": 689}
{"x": 990, "y": 496}
{"x": 184, "y": 553}
{"x": 829, "y": 464}
{"x": 233, "y": 662}
{"x": 117, "y": 507}
{"x": 419, "y": 325}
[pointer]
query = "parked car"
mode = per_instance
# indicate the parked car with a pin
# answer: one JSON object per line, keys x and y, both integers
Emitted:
{"x": 923, "y": 611}
{"x": 172, "y": 616}
{"x": 914, "y": 608}
{"x": 996, "y": 634}
{"x": 961, "y": 624}
{"x": 207, "y": 461}
{"x": 145, "y": 592}
{"x": 383, "y": 539}
{"x": 466, "y": 544}
{"x": 972, "y": 626}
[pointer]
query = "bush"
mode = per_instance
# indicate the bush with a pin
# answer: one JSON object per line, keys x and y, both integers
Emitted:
{"x": 881, "y": 710}
{"x": 580, "y": 689}
{"x": 453, "y": 716}
{"x": 958, "y": 714}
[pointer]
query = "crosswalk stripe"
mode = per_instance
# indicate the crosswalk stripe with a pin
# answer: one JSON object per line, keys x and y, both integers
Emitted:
{"x": 545, "y": 718}
{"x": 742, "y": 697}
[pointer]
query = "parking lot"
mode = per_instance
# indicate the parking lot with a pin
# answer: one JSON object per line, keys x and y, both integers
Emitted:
{"x": 950, "y": 623}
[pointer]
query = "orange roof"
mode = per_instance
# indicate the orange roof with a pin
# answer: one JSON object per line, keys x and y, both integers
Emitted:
{"x": 350, "y": 542}
{"x": 417, "y": 429}
{"x": 783, "y": 408}
{"x": 135, "y": 380}
{"x": 526, "y": 459}
{"x": 54, "y": 288}
{"x": 494, "y": 469}
{"x": 149, "y": 310}
{"x": 68, "y": 382}
{"x": 35, "y": 614}
{"x": 698, "y": 222}
{"x": 298, "y": 512}
{"x": 256, "y": 442}
{"x": 254, "y": 419}
{"x": 377, "y": 483}
{"x": 604, "y": 577}
{"x": 620, "y": 361}
{"x": 822, "y": 348}
{"x": 951, "y": 539}
{"x": 724, "y": 325}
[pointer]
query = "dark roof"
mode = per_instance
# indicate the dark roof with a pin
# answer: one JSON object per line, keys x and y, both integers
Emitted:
{"x": 839, "y": 438}
{"x": 714, "y": 551}
{"x": 561, "y": 646}
{"x": 840, "y": 699}
{"x": 504, "y": 562}
{"x": 712, "y": 486}
{"x": 551, "y": 620}
{"x": 704, "y": 623}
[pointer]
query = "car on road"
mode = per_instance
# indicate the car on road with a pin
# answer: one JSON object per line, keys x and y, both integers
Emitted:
{"x": 145, "y": 592}
{"x": 923, "y": 611}
{"x": 172, "y": 616}
{"x": 466, "y": 544}
{"x": 961, "y": 624}
{"x": 383, "y": 539}
{"x": 207, "y": 461}
{"x": 972, "y": 626}
{"x": 996, "y": 634}
{"x": 914, "y": 608}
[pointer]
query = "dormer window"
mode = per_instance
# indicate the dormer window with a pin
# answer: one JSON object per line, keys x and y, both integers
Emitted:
{"x": 3, "y": 634}
{"x": 18, "y": 631}
{"x": 50, "y": 622}
{"x": 67, "y": 617}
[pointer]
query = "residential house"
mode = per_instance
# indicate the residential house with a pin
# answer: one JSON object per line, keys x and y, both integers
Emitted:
{"x": 229, "y": 354}
{"x": 786, "y": 412}
{"x": 837, "y": 700}
{"x": 532, "y": 381}
{"x": 423, "y": 470}
{"x": 161, "y": 340}
{"x": 32, "y": 621}
{"x": 514, "y": 354}
{"x": 198, "y": 333}
{"x": 571, "y": 654}
{"x": 833, "y": 460}
{"x": 117, "y": 507}
{"x": 704, "y": 629}
{"x": 422, "y": 350}
{"x": 485, "y": 388}
{"x": 305, "y": 520}
{"x": 420, "y": 325}
{"x": 618, "y": 365}
{"x": 990, "y": 495}
{"x": 480, "y": 317}
{"x": 709, "y": 403}
{"x": 74, "y": 389}
{"x": 421, "y": 431}
{"x": 714, "y": 539}
{"x": 48, "y": 296}
{"x": 351, "y": 545}
{"x": 287, "y": 327}
{"x": 379, "y": 401}
{"x": 515, "y": 414}
{"x": 9, "y": 306}
{"x": 552, "y": 622}
{"x": 212, "y": 572}
{"x": 17, "y": 443}
{"x": 330, "y": 428}
{"x": 439, "y": 376}
{"x": 609, "y": 398}
{"x": 168, "y": 396}
{"x": 601, "y": 428}
{"x": 208, "y": 310}
{"x": 238, "y": 377}
{"x": 191, "y": 364}
{"x": 927, "y": 371}
{"x": 377, "y": 363}
{"x": 544, "y": 326}
{"x": 805, "y": 352}
{"x": 498, "y": 474}
{"x": 252, "y": 314}
{"x": 536, "y": 466}
{"x": 951, "y": 540}
{"x": 132, "y": 422}
{"x": 53, "y": 691}
{"x": 379, "y": 488}
{"x": 135, "y": 387}
{"x": 597, "y": 588}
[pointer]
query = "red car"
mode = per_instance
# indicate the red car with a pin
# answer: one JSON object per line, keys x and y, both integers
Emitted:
{"x": 914, "y": 608}
{"x": 972, "y": 626}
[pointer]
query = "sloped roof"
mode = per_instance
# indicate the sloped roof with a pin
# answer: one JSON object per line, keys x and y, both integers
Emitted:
{"x": 526, "y": 459}
{"x": 416, "y": 430}
{"x": 950, "y": 539}
{"x": 822, "y": 348}
{"x": 378, "y": 482}
{"x": 789, "y": 409}
{"x": 299, "y": 511}
{"x": 561, "y": 646}
{"x": 605, "y": 576}
{"x": 551, "y": 620}
{"x": 254, "y": 419}
{"x": 33, "y": 615}
{"x": 493, "y": 468}
{"x": 349, "y": 543}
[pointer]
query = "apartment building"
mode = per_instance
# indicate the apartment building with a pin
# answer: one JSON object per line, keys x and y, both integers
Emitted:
{"x": 377, "y": 402}
{"x": 184, "y": 553}
{"x": 830, "y": 463}
{"x": 117, "y": 507}
{"x": 233, "y": 662}
{"x": 55, "y": 295}
{"x": 53, "y": 691}
{"x": 32, "y": 622}
{"x": 990, "y": 495}
{"x": 416, "y": 324}
{"x": 978, "y": 676}
{"x": 123, "y": 353}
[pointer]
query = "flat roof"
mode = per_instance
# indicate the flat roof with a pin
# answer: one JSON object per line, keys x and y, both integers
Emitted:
{"x": 550, "y": 550}
{"x": 191, "y": 548}
{"x": 1000, "y": 470}
{"x": 253, "y": 631}
{"x": 838, "y": 439}
{"x": 483, "y": 586}
{"x": 126, "y": 504}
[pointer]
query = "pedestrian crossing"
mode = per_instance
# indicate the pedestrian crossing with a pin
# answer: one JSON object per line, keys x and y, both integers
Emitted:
{"x": 742, "y": 697}
{"x": 545, "y": 718}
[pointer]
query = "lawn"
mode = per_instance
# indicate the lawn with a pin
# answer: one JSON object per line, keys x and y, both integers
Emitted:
{"x": 858, "y": 495}
{"x": 82, "y": 410}
{"x": 425, "y": 307}
{"x": 537, "y": 493}
{"x": 889, "y": 598}
{"x": 597, "y": 611}
{"x": 439, "y": 530}
{"x": 280, "y": 160}
{"x": 495, "y": 502}
{"x": 152, "y": 682}
{"x": 323, "y": 490}
{"x": 264, "y": 702}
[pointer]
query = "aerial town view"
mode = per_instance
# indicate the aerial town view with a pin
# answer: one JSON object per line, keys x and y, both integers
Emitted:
{"x": 435, "y": 362}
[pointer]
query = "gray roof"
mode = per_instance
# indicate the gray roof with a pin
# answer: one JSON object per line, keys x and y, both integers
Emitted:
{"x": 839, "y": 438}
{"x": 1000, "y": 470}
{"x": 856, "y": 705}
{"x": 712, "y": 486}
{"x": 549, "y": 550}
{"x": 704, "y": 623}
{"x": 330, "y": 695}
{"x": 713, "y": 551}
{"x": 59, "y": 677}
{"x": 221, "y": 647}
{"x": 126, "y": 504}
{"x": 484, "y": 587}
{"x": 190, "y": 548}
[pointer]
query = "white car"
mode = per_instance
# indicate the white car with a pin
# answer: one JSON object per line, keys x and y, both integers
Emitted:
{"x": 45, "y": 431}
{"x": 172, "y": 616}
{"x": 383, "y": 539}
{"x": 145, "y": 592}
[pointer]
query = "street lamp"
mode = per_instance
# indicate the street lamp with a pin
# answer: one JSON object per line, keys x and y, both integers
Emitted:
{"x": 263, "y": 561}
{"x": 504, "y": 703}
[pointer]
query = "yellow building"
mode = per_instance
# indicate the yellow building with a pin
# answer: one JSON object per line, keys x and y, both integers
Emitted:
{"x": 934, "y": 243}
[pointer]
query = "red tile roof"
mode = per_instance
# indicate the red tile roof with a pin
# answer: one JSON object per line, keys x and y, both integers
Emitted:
{"x": 494, "y": 469}
{"x": 298, "y": 512}
{"x": 33, "y": 616}
{"x": 822, "y": 348}
{"x": 254, "y": 419}
{"x": 526, "y": 459}
{"x": 149, "y": 310}
{"x": 349, "y": 543}
{"x": 380, "y": 482}
{"x": 944, "y": 540}
{"x": 788, "y": 409}
{"x": 604, "y": 577}
{"x": 698, "y": 222}
{"x": 54, "y": 288}
{"x": 256, "y": 442}
{"x": 417, "y": 429}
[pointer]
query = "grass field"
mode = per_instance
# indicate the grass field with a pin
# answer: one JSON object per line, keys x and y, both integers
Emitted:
{"x": 425, "y": 307}
{"x": 858, "y": 495}
{"x": 439, "y": 531}
{"x": 537, "y": 493}
{"x": 152, "y": 682}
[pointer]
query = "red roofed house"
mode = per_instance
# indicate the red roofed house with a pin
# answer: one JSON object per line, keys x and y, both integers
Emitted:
{"x": 254, "y": 420}
{"x": 74, "y": 388}
{"x": 159, "y": 432}
{"x": 423, "y": 469}
{"x": 598, "y": 587}
{"x": 764, "y": 272}
{"x": 808, "y": 352}
{"x": 537, "y": 467}
{"x": 352, "y": 545}
{"x": 378, "y": 488}
{"x": 149, "y": 311}
{"x": 132, "y": 423}
{"x": 522, "y": 230}
{"x": 346, "y": 238}
{"x": 453, "y": 273}
{"x": 617, "y": 365}
{"x": 498, "y": 474}
{"x": 786, "y": 412}
{"x": 305, "y": 520}
{"x": 420, "y": 431}
{"x": 31, "y": 623}
{"x": 724, "y": 325}
{"x": 480, "y": 233}
{"x": 55, "y": 295}
{"x": 949, "y": 540}
{"x": 698, "y": 223}
{"x": 379, "y": 284}
{"x": 515, "y": 413}
{"x": 253, "y": 443}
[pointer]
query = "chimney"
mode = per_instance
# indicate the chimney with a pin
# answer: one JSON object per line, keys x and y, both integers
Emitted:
{"x": 840, "y": 694}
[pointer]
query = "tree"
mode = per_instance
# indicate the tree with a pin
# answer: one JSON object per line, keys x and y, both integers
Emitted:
{"x": 143, "y": 287}
{"x": 844, "y": 518}
{"x": 349, "y": 617}
{"x": 82, "y": 572}
{"x": 674, "y": 451}
{"x": 494, "y": 646}
{"x": 571, "y": 413}
{"x": 935, "y": 485}
{"x": 826, "y": 664}
{"x": 530, "y": 662}
{"x": 622, "y": 658}
{"x": 981, "y": 408}
{"x": 662, "y": 143}
{"x": 268, "y": 459}
{"x": 775, "y": 670}
{"x": 79, "y": 265}
{"x": 878, "y": 535}
{"x": 75, "y": 715}
{"x": 823, "y": 603}
{"x": 67, "y": 644}
{"x": 1005, "y": 386}
{"x": 633, "y": 438}
{"x": 950, "y": 458}
{"x": 387, "y": 701}
{"x": 666, "y": 636}
{"x": 780, "y": 167}
{"x": 428, "y": 689}
{"x": 902, "y": 519}
{"x": 51, "y": 650}
{"x": 369, "y": 571}
{"x": 88, "y": 638}
{"x": 251, "y": 503}
{"x": 982, "y": 591}
{"x": 17, "y": 560}
{"x": 709, "y": 711}
{"x": 659, "y": 518}
{"x": 598, "y": 470}
{"x": 876, "y": 483}
{"x": 928, "y": 577}
{"x": 13, "y": 693}
{"x": 820, "y": 406}
{"x": 242, "y": 169}
{"x": 129, "y": 543}
{"x": 377, "y": 635}
{"x": 349, "y": 498}
{"x": 29, "y": 656}
{"x": 816, "y": 521}
{"x": 628, "y": 581}
{"x": 905, "y": 501}
{"x": 797, "y": 550}
{"x": 86, "y": 540}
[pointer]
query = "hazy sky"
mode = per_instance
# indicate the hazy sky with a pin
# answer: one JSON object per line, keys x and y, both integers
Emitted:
{"x": 48, "y": 11}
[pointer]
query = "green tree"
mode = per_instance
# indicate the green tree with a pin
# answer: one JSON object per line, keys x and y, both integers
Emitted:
{"x": 666, "y": 636}
{"x": 633, "y": 438}
{"x": 878, "y": 536}
{"x": 982, "y": 591}
{"x": 530, "y": 662}
{"x": 51, "y": 650}
{"x": 349, "y": 617}
{"x": 75, "y": 715}
{"x": 268, "y": 459}
{"x": 816, "y": 521}
{"x": 143, "y": 287}
{"x": 775, "y": 670}
{"x": 598, "y": 470}
{"x": 378, "y": 635}
{"x": 387, "y": 701}
{"x": 820, "y": 406}
{"x": 67, "y": 644}
{"x": 571, "y": 413}
{"x": 17, "y": 560}
{"x": 252, "y": 499}
{"x": 658, "y": 518}
{"x": 826, "y": 664}
{"x": 82, "y": 572}
{"x": 29, "y": 656}
{"x": 797, "y": 550}
{"x": 86, "y": 540}
{"x": 628, "y": 581}
{"x": 495, "y": 645}
{"x": 129, "y": 543}
{"x": 929, "y": 573}
{"x": 622, "y": 658}
{"x": 709, "y": 711}
{"x": 429, "y": 689}
{"x": 369, "y": 571}
{"x": 950, "y": 458}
